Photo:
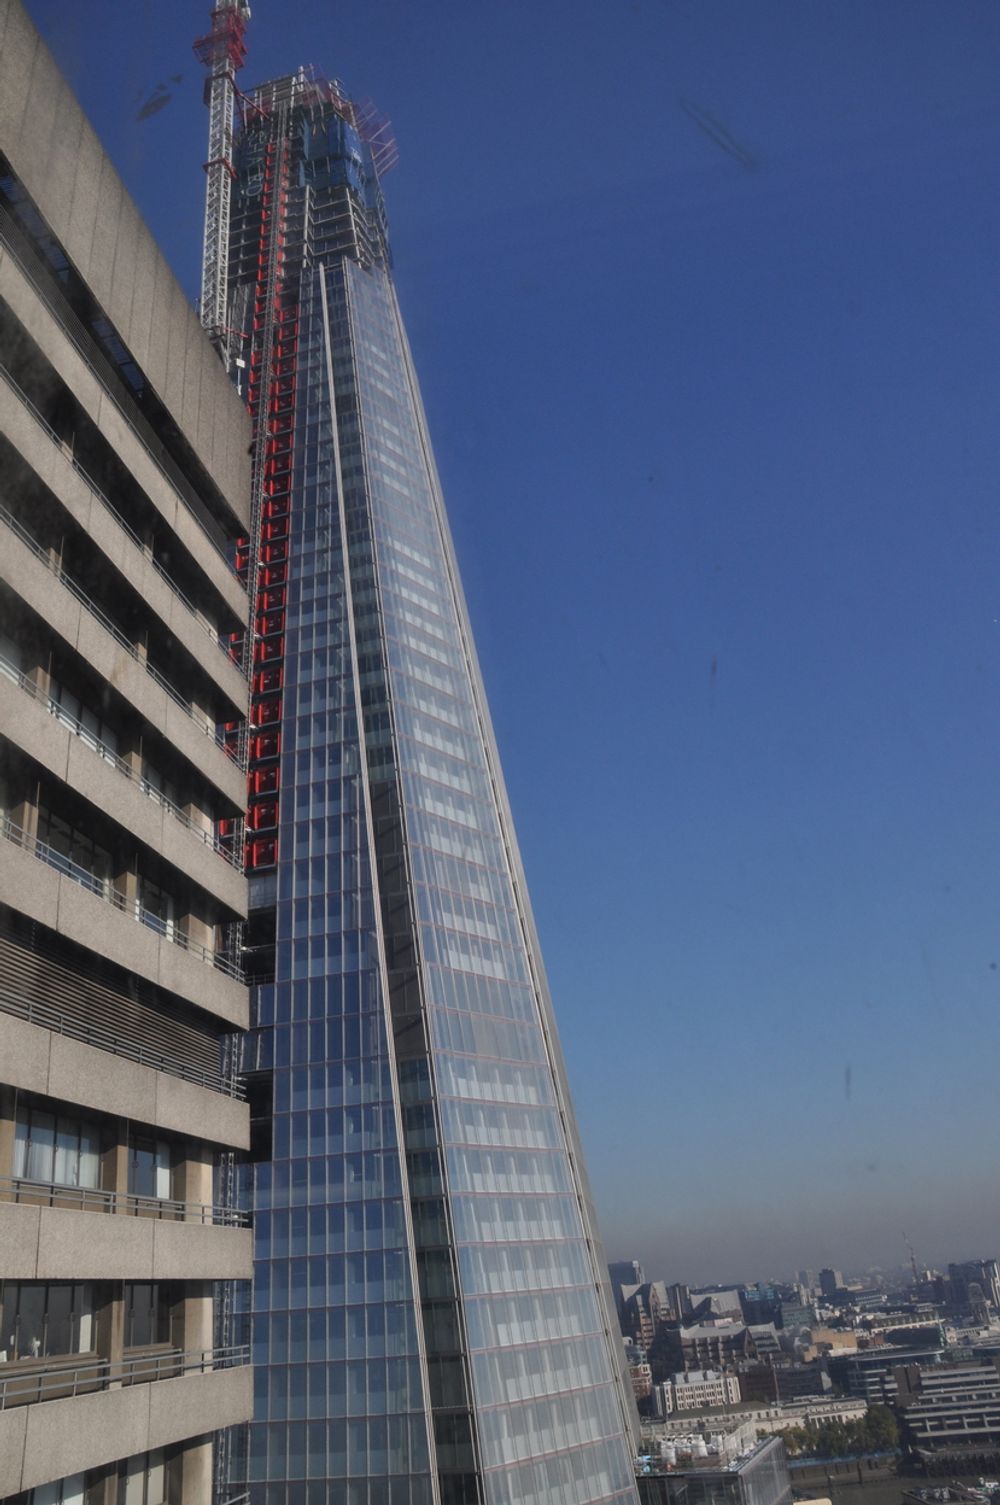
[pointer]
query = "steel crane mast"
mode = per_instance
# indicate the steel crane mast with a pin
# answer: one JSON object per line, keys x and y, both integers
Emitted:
{"x": 223, "y": 52}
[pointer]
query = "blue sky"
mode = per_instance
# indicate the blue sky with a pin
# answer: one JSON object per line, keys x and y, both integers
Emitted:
{"x": 704, "y": 302}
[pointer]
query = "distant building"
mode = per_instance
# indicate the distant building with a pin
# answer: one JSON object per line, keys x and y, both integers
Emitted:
{"x": 642, "y": 1381}
{"x": 717, "y": 1302}
{"x": 625, "y": 1272}
{"x": 830, "y": 1282}
{"x": 697, "y": 1388}
{"x": 765, "y": 1340}
{"x": 759, "y": 1478}
{"x": 872, "y": 1374}
{"x": 794, "y": 1315}
{"x": 680, "y": 1300}
{"x": 699, "y": 1345}
{"x": 765, "y": 1381}
{"x": 950, "y": 1413}
{"x": 974, "y": 1283}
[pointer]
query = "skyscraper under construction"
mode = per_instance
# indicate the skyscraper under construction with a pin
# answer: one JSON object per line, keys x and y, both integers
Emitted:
{"x": 430, "y": 1322}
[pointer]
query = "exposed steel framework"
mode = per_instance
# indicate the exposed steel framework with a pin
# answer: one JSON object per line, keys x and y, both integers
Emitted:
{"x": 223, "y": 51}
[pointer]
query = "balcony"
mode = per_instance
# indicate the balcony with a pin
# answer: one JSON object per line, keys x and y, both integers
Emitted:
{"x": 230, "y": 850}
{"x": 95, "y": 1199}
{"x": 224, "y": 960}
{"x": 90, "y": 1415}
{"x": 233, "y": 746}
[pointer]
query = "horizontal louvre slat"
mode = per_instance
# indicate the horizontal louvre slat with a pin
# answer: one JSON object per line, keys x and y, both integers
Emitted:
{"x": 34, "y": 985}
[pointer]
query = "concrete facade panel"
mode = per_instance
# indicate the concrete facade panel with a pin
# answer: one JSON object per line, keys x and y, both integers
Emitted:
{"x": 171, "y": 384}
{"x": 45, "y": 331}
{"x": 100, "y": 270}
{"x": 28, "y": 578}
{"x": 94, "y": 1246}
{"x": 19, "y": 1241}
{"x": 204, "y": 752}
{"x": 220, "y": 1119}
{"x": 29, "y": 726}
{"x": 94, "y": 1078}
{"x": 25, "y": 1063}
{"x": 131, "y": 230}
{"x": 13, "y": 1428}
{"x": 141, "y": 316}
{"x": 198, "y": 1403}
{"x": 67, "y": 1436}
{"x": 72, "y": 1072}
{"x": 60, "y": 169}
{"x": 88, "y": 221}
{"x": 192, "y": 1251}
{"x": 84, "y": 205}
{"x": 17, "y": 60}
{"x": 204, "y": 985}
{"x": 186, "y": 852}
{"x": 26, "y": 884}
{"x": 98, "y": 781}
{"x": 92, "y": 922}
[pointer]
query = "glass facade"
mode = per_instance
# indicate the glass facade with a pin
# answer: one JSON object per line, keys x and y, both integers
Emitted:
{"x": 429, "y": 1319}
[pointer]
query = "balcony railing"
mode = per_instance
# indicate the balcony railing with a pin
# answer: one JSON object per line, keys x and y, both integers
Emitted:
{"x": 78, "y": 338}
{"x": 235, "y": 751}
{"x": 58, "y": 1380}
{"x": 96, "y": 1199}
{"x": 104, "y": 889}
{"x": 204, "y": 623}
{"x": 233, "y": 854}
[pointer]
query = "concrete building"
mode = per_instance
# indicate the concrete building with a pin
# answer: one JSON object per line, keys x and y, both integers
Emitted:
{"x": 123, "y": 452}
{"x": 830, "y": 1282}
{"x": 872, "y": 1374}
{"x": 697, "y": 1388}
{"x": 699, "y": 1345}
{"x": 759, "y": 1476}
{"x": 950, "y": 1413}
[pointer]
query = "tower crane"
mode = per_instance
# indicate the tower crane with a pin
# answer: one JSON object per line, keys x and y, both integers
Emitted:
{"x": 913, "y": 1260}
{"x": 223, "y": 51}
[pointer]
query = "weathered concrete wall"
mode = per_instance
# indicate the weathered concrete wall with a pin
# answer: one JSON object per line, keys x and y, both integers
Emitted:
{"x": 57, "y": 156}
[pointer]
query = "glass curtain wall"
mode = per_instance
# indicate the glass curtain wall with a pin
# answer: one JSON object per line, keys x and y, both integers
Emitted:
{"x": 429, "y": 1324}
{"x": 548, "y": 1414}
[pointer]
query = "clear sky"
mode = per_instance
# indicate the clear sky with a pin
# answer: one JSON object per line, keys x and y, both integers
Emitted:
{"x": 704, "y": 300}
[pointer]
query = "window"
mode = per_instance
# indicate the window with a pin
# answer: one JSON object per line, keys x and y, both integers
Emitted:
{"x": 147, "y": 1313}
{"x": 144, "y": 1480}
{"x": 75, "y": 853}
{"x": 11, "y": 657}
{"x": 157, "y": 908}
{"x": 71, "y": 1491}
{"x": 148, "y": 1167}
{"x": 39, "y": 1320}
{"x": 57, "y": 1149}
{"x": 156, "y": 785}
{"x": 78, "y": 716}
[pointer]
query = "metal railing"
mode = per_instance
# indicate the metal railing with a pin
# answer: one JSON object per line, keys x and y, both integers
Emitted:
{"x": 104, "y": 889}
{"x": 90, "y": 1033}
{"x": 58, "y": 1381}
{"x": 207, "y": 626}
{"x": 130, "y": 1204}
{"x": 200, "y": 720}
{"x": 232, "y": 854}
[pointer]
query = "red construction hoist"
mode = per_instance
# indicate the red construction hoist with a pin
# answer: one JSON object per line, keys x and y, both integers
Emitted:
{"x": 262, "y": 559}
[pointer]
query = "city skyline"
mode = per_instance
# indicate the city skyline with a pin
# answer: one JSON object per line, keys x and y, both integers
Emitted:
{"x": 815, "y": 888}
